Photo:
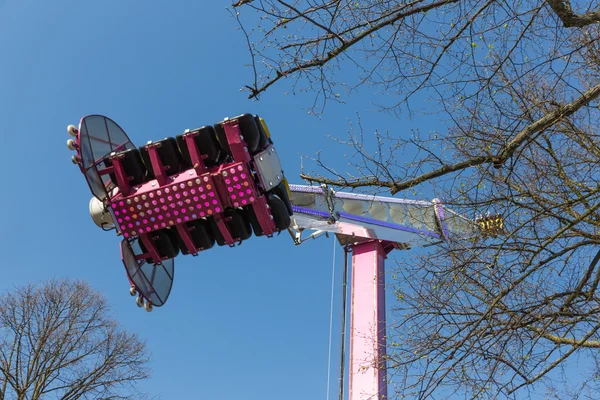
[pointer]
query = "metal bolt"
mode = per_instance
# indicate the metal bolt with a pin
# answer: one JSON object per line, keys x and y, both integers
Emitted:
{"x": 186, "y": 131}
{"x": 153, "y": 184}
{"x": 224, "y": 173}
{"x": 270, "y": 183}
{"x": 260, "y": 158}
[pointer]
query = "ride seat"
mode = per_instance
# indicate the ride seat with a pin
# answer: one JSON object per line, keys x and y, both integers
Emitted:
{"x": 207, "y": 143}
{"x": 134, "y": 168}
{"x": 168, "y": 155}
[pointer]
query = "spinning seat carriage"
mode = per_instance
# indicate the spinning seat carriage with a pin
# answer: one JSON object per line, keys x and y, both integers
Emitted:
{"x": 216, "y": 183}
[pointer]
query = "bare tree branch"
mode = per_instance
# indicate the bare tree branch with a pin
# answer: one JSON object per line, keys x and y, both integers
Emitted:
{"x": 346, "y": 44}
{"x": 58, "y": 338}
{"x": 563, "y": 9}
{"x": 511, "y": 147}
{"x": 503, "y": 99}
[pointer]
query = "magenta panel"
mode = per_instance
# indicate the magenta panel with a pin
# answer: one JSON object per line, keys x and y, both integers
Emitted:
{"x": 239, "y": 184}
{"x": 182, "y": 200}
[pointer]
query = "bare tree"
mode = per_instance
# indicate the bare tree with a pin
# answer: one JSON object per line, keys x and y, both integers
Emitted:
{"x": 515, "y": 85}
{"x": 59, "y": 341}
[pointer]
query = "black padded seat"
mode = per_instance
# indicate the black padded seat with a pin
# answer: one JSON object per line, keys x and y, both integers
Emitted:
{"x": 201, "y": 235}
{"x": 238, "y": 224}
{"x": 169, "y": 156}
{"x": 279, "y": 211}
{"x": 134, "y": 168}
{"x": 250, "y": 131}
{"x": 207, "y": 143}
{"x": 263, "y": 140}
{"x": 165, "y": 241}
{"x": 281, "y": 191}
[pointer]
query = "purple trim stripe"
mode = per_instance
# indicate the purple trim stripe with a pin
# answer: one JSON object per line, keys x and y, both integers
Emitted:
{"x": 308, "y": 211}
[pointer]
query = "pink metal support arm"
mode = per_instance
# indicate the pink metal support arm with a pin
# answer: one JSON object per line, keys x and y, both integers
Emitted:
{"x": 122, "y": 181}
{"x": 187, "y": 239}
{"x": 367, "y": 374}
{"x": 157, "y": 165}
{"x": 195, "y": 156}
{"x": 239, "y": 151}
{"x": 151, "y": 249}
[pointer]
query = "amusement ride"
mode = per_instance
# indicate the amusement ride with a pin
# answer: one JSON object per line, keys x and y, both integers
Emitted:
{"x": 222, "y": 183}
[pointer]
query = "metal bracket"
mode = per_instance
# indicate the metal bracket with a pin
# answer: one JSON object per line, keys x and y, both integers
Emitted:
{"x": 330, "y": 200}
{"x": 296, "y": 234}
{"x": 268, "y": 168}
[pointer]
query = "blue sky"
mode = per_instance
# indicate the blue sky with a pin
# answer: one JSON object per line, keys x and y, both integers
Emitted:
{"x": 245, "y": 323}
{"x": 249, "y": 322}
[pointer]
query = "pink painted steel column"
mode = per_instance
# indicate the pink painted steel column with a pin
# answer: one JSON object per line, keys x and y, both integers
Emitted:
{"x": 367, "y": 374}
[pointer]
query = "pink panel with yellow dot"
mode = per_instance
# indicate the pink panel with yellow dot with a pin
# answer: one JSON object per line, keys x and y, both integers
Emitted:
{"x": 239, "y": 184}
{"x": 172, "y": 204}
{"x": 186, "y": 198}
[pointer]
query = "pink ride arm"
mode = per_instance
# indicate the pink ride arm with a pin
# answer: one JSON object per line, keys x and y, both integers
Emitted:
{"x": 372, "y": 226}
